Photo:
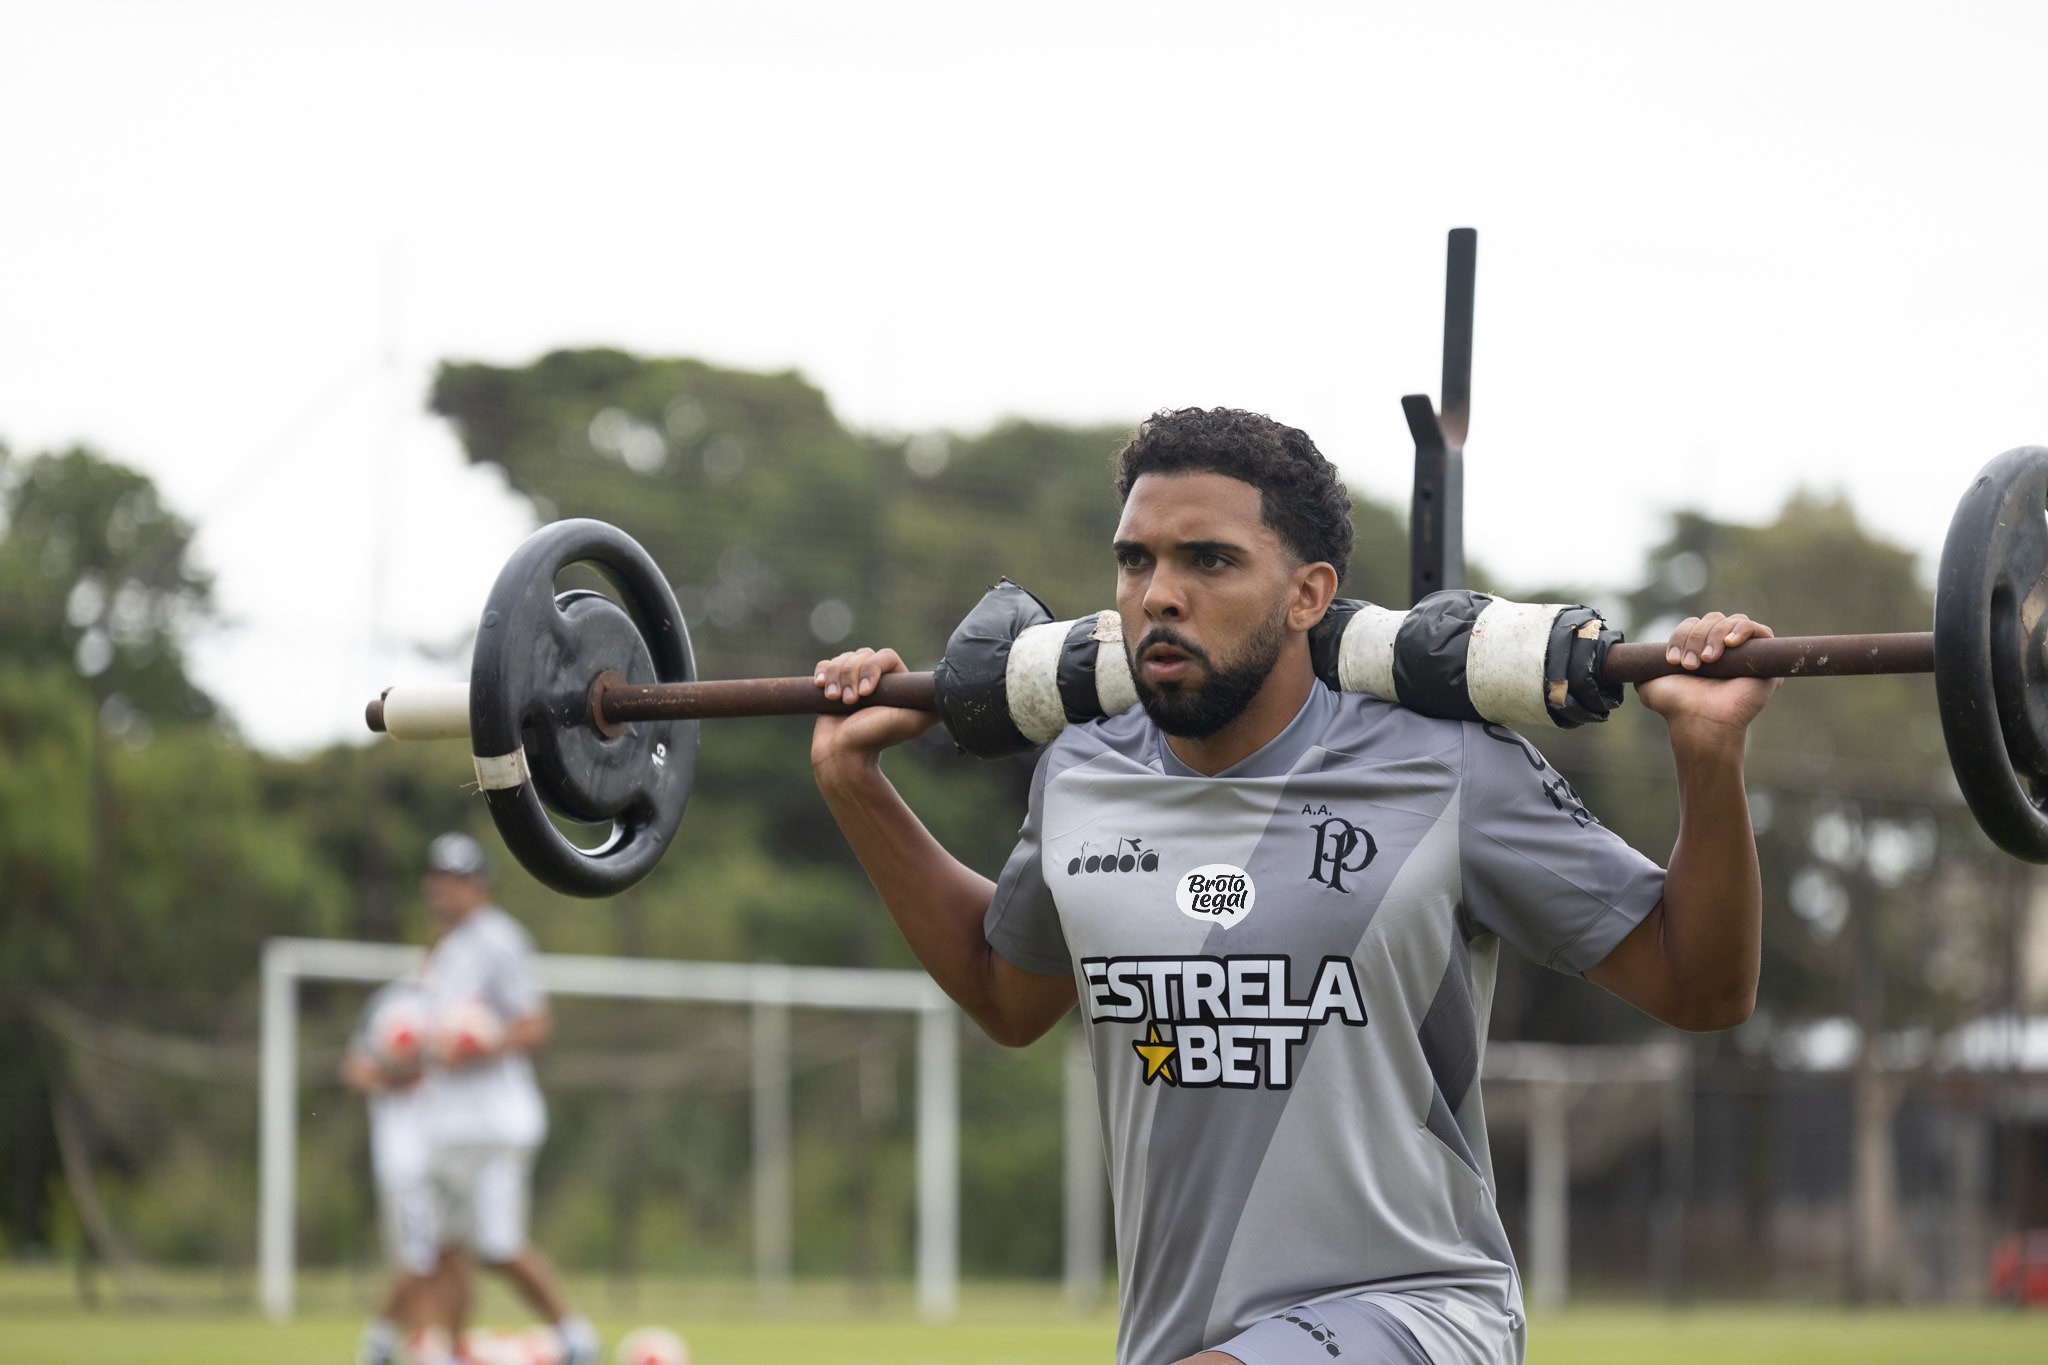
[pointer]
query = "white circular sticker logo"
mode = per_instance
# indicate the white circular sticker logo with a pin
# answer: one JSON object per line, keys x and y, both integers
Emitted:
{"x": 1216, "y": 894}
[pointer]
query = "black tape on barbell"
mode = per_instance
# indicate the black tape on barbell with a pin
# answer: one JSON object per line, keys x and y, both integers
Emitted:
{"x": 1095, "y": 669}
{"x": 1572, "y": 666}
{"x": 971, "y": 684}
{"x": 1432, "y": 655}
{"x": 1013, "y": 677}
{"x": 1465, "y": 655}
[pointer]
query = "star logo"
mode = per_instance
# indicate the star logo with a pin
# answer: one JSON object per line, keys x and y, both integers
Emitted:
{"x": 1158, "y": 1054}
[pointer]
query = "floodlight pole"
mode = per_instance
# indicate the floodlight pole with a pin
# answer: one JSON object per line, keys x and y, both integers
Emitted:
{"x": 1436, "y": 513}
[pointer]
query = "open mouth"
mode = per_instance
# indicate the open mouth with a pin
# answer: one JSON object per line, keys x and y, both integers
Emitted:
{"x": 1164, "y": 663}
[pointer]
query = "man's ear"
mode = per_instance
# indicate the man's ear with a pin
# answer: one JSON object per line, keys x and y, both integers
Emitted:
{"x": 1314, "y": 587}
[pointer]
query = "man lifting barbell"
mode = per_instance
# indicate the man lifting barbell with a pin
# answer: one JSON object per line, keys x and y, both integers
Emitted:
{"x": 1415, "y": 848}
{"x": 583, "y": 707}
{"x": 1286, "y": 1012}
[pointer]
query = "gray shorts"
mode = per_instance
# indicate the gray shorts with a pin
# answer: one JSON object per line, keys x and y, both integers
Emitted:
{"x": 480, "y": 1199}
{"x": 1349, "y": 1331}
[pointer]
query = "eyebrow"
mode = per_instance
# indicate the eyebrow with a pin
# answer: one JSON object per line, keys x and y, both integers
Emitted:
{"x": 1193, "y": 547}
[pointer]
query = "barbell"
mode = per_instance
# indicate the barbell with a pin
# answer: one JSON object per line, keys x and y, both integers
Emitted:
{"x": 584, "y": 708}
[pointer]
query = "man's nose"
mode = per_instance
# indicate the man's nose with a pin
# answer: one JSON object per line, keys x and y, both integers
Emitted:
{"x": 1165, "y": 599}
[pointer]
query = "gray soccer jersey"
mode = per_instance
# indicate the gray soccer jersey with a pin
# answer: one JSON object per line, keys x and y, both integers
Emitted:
{"x": 1285, "y": 972}
{"x": 487, "y": 957}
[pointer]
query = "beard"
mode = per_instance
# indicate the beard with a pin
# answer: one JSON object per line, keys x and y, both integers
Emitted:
{"x": 1199, "y": 711}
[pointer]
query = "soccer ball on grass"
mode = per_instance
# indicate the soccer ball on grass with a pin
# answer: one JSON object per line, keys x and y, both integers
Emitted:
{"x": 651, "y": 1346}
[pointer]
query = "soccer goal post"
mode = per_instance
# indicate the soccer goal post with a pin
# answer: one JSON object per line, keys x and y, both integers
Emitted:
{"x": 1554, "y": 1074}
{"x": 770, "y": 992}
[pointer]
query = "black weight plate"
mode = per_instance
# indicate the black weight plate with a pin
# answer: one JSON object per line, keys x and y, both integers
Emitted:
{"x": 536, "y": 655}
{"x": 1990, "y": 630}
{"x": 580, "y": 772}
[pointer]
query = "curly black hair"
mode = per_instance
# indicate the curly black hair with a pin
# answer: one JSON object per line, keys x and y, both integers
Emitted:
{"x": 1300, "y": 492}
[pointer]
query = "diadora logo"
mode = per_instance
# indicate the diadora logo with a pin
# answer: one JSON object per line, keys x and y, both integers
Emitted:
{"x": 1128, "y": 856}
{"x": 1220, "y": 893}
{"x": 1340, "y": 847}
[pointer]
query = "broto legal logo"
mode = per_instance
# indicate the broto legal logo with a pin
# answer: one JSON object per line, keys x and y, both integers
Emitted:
{"x": 1218, "y": 893}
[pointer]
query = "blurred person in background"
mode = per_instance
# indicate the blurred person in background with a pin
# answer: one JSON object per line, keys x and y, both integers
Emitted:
{"x": 484, "y": 1116}
{"x": 384, "y": 1063}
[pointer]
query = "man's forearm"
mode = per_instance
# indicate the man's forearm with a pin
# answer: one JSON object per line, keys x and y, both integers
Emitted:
{"x": 360, "y": 1075}
{"x": 1713, "y": 891}
{"x": 936, "y": 900}
{"x": 529, "y": 1033}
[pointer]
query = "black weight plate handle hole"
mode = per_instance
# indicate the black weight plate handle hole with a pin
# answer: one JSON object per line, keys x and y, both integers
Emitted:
{"x": 588, "y": 576}
{"x": 2009, "y": 644}
{"x": 584, "y": 575}
{"x": 2004, "y": 645}
{"x": 592, "y": 841}
{"x": 597, "y": 840}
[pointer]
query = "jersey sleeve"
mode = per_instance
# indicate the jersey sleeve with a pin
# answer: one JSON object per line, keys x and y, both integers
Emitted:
{"x": 1539, "y": 870}
{"x": 1022, "y": 923}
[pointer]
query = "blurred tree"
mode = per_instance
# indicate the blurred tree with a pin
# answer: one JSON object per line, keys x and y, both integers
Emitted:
{"x": 140, "y": 862}
{"x": 97, "y": 574}
{"x": 145, "y": 853}
{"x": 1880, "y": 893}
{"x": 1848, "y": 777}
{"x": 1856, "y": 806}
{"x": 788, "y": 537}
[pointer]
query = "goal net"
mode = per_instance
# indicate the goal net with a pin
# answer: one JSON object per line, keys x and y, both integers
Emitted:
{"x": 730, "y": 1120}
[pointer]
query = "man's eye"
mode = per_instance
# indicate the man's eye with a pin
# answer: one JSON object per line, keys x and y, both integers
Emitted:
{"x": 1209, "y": 559}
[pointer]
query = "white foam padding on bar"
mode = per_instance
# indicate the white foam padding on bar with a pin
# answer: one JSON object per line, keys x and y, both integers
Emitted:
{"x": 504, "y": 772}
{"x": 437, "y": 711}
{"x": 1504, "y": 661}
{"x": 1365, "y": 655}
{"x": 1032, "y": 679}
{"x": 1114, "y": 687}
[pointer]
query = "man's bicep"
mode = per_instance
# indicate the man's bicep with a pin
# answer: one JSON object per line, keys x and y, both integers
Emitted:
{"x": 1637, "y": 969}
{"x": 1029, "y": 1002}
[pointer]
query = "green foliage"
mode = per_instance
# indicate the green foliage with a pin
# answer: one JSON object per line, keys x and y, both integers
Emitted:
{"x": 1015, "y": 1165}
{"x": 45, "y": 819}
{"x": 1866, "y": 848}
{"x": 145, "y": 853}
{"x": 745, "y": 489}
{"x": 1379, "y": 555}
{"x": 787, "y": 538}
{"x": 1016, "y": 1325}
{"x": 95, "y": 572}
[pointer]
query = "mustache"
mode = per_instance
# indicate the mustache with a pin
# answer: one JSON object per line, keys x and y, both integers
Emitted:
{"x": 1167, "y": 635}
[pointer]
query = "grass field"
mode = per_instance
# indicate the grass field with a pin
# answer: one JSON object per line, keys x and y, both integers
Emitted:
{"x": 1000, "y": 1325}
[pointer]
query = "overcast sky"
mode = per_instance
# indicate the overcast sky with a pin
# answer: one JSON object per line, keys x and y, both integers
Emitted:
{"x": 1721, "y": 255}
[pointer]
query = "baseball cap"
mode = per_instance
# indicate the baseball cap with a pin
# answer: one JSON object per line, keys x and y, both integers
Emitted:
{"x": 457, "y": 853}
